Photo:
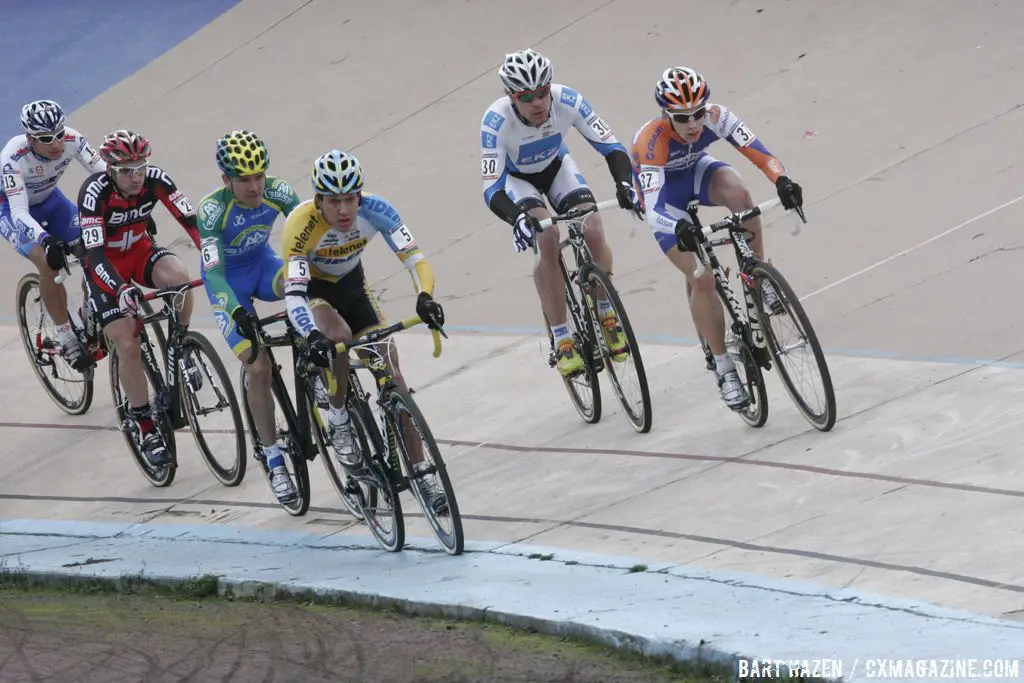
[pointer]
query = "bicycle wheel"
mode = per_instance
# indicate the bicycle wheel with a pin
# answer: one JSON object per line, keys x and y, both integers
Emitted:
{"x": 347, "y": 488}
{"x": 825, "y": 417}
{"x": 583, "y": 388}
{"x": 638, "y": 404}
{"x": 157, "y": 476}
{"x": 71, "y": 390}
{"x": 199, "y": 356}
{"x": 287, "y": 438}
{"x": 444, "y": 517}
{"x": 755, "y": 414}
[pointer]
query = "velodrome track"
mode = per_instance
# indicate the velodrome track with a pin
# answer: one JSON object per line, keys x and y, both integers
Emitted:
{"x": 903, "y": 123}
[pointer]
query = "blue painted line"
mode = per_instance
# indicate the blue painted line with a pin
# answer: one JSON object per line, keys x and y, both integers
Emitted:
{"x": 80, "y": 49}
{"x": 691, "y": 341}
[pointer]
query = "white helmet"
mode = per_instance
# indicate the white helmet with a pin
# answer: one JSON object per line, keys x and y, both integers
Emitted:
{"x": 42, "y": 117}
{"x": 525, "y": 70}
{"x": 337, "y": 173}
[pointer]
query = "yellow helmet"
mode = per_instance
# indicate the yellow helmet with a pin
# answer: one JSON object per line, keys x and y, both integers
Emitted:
{"x": 241, "y": 153}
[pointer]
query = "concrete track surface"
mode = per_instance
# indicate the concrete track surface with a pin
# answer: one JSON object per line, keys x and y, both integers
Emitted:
{"x": 902, "y": 121}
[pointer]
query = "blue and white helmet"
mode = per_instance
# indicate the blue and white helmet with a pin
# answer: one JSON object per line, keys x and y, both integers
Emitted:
{"x": 42, "y": 117}
{"x": 337, "y": 172}
{"x": 525, "y": 70}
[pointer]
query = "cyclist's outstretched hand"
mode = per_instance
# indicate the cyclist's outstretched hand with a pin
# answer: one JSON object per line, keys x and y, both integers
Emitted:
{"x": 629, "y": 199}
{"x": 128, "y": 299}
{"x": 790, "y": 194}
{"x": 526, "y": 226}
{"x": 321, "y": 349}
{"x": 429, "y": 311}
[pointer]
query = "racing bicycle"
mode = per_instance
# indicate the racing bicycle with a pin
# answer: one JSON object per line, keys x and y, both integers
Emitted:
{"x": 388, "y": 445}
{"x": 756, "y": 343}
{"x": 187, "y": 364}
{"x": 581, "y": 286}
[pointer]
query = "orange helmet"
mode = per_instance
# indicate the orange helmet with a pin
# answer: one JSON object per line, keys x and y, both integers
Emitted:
{"x": 681, "y": 87}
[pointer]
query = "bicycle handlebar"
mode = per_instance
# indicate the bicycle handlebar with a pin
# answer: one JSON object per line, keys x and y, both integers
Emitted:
{"x": 735, "y": 219}
{"x": 375, "y": 336}
{"x": 573, "y": 214}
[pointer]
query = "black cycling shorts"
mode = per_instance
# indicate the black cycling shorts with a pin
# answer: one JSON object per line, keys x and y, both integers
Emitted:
{"x": 351, "y": 298}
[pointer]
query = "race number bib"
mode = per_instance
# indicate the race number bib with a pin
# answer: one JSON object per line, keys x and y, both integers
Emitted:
{"x": 401, "y": 237}
{"x": 211, "y": 257}
{"x": 92, "y": 236}
{"x": 298, "y": 269}
{"x": 742, "y": 135}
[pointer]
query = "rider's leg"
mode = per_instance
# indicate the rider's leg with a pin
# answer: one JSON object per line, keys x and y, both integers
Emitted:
{"x": 164, "y": 269}
{"x": 726, "y": 188}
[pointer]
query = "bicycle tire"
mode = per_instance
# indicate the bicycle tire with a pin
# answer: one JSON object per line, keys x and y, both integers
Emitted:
{"x": 69, "y": 406}
{"x": 789, "y": 299}
{"x": 299, "y": 472}
{"x": 640, "y": 420}
{"x": 233, "y": 475}
{"x": 455, "y": 542}
{"x": 356, "y": 408}
{"x": 376, "y": 480}
{"x": 590, "y": 415}
{"x": 162, "y": 476}
{"x": 747, "y": 364}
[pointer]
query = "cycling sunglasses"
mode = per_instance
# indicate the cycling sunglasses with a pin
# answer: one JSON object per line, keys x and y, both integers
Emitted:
{"x": 49, "y": 137}
{"x": 680, "y": 117}
{"x": 531, "y": 95}
{"x": 131, "y": 171}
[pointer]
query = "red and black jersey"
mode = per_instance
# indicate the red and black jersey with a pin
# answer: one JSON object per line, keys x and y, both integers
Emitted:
{"x": 112, "y": 223}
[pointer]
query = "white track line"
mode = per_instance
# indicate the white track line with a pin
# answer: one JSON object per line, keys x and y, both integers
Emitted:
{"x": 913, "y": 248}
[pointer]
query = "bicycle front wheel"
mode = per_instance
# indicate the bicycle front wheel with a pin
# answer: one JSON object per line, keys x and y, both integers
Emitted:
{"x": 71, "y": 390}
{"x": 206, "y": 391}
{"x": 816, "y": 401}
{"x": 626, "y": 367}
{"x": 428, "y": 479}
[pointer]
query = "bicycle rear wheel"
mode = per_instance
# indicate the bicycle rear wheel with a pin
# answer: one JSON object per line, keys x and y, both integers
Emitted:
{"x": 822, "y": 418}
{"x": 635, "y": 395}
{"x": 157, "y": 476}
{"x": 197, "y": 352}
{"x": 443, "y": 515}
{"x": 286, "y": 437}
{"x": 382, "y": 510}
{"x": 70, "y": 389}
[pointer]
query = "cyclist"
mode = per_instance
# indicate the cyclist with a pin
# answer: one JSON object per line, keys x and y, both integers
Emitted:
{"x": 325, "y": 287}
{"x": 672, "y": 169}
{"x": 115, "y": 207}
{"x": 524, "y": 158}
{"x": 238, "y": 265}
{"x": 33, "y": 164}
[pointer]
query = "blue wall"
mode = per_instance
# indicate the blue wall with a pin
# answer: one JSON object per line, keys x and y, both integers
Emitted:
{"x": 73, "y": 50}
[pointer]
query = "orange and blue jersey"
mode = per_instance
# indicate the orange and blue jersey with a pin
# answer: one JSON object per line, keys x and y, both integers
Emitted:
{"x": 670, "y": 173}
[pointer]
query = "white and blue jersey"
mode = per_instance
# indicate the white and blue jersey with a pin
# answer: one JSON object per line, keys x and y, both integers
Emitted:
{"x": 523, "y": 160}
{"x": 29, "y": 194}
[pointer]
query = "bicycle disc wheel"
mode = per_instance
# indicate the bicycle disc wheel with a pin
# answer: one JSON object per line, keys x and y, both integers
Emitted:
{"x": 157, "y": 476}
{"x": 823, "y": 417}
{"x": 206, "y": 371}
{"x": 71, "y": 390}
{"x": 443, "y": 515}
{"x": 627, "y": 375}
{"x": 286, "y": 438}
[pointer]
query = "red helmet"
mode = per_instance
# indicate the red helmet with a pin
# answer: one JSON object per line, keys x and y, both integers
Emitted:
{"x": 123, "y": 146}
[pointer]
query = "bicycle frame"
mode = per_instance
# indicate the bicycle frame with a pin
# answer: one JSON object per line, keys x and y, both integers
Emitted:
{"x": 746, "y": 322}
{"x": 168, "y": 373}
